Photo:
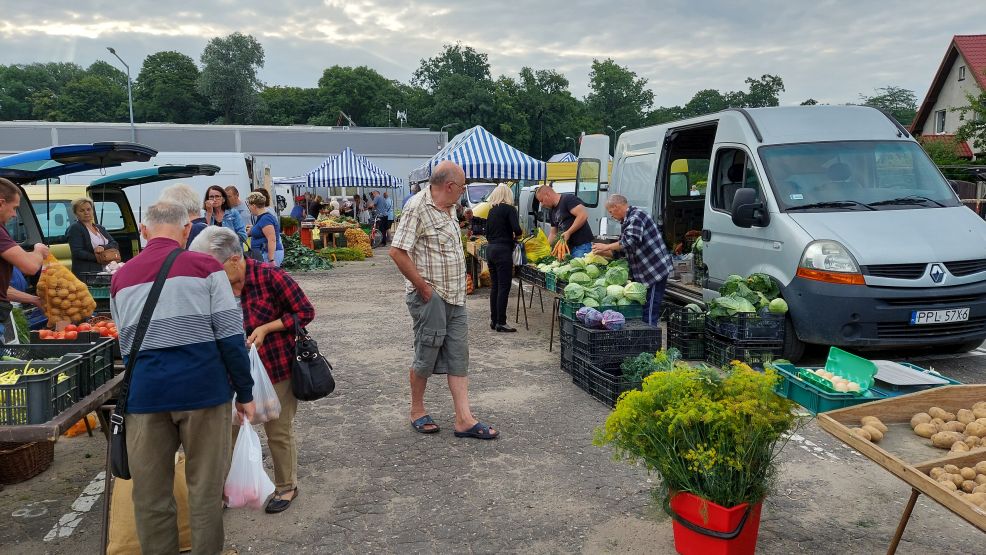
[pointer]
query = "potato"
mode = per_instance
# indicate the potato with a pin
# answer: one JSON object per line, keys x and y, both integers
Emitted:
{"x": 920, "y": 418}
{"x": 957, "y": 479}
{"x": 875, "y": 434}
{"x": 959, "y": 447}
{"x": 944, "y": 440}
{"x": 862, "y": 433}
{"x": 965, "y": 416}
{"x": 967, "y": 486}
{"x": 936, "y": 472}
{"x": 968, "y": 473}
{"x": 980, "y": 467}
{"x": 938, "y": 412}
{"x": 975, "y": 429}
{"x": 981, "y": 488}
{"x": 925, "y": 430}
{"x": 953, "y": 426}
{"x": 875, "y": 422}
{"x": 976, "y": 498}
{"x": 979, "y": 405}
{"x": 980, "y": 479}
{"x": 979, "y": 413}
{"x": 951, "y": 469}
{"x": 937, "y": 423}
{"x": 949, "y": 486}
{"x": 972, "y": 441}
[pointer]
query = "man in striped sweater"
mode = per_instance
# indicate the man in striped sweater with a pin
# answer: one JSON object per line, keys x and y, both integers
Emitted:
{"x": 193, "y": 358}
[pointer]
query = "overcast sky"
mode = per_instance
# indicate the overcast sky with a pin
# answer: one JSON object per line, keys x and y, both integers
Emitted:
{"x": 824, "y": 49}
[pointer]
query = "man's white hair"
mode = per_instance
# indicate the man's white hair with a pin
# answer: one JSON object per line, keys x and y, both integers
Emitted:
{"x": 617, "y": 200}
{"x": 184, "y": 195}
{"x": 220, "y": 243}
{"x": 166, "y": 213}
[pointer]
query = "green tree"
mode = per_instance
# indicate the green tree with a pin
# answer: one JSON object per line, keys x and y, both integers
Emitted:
{"x": 287, "y": 105}
{"x": 454, "y": 59}
{"x": 551, "y": 111}
{"x": 165, "y": 90}
{"x": 29, "y": 91}
{"x": 462, "y": 99}
{"x": 944, "y": 151}
{"x": 763, "y": 92}
{"x": 973, "y": 128}
{"x": 508, "y": 120}
{"x": 92, "y": 98}
{"x": 810, "y": 102}
{"x": 229, "y": 76}
{"x": 360, "y": 92}
{"x": 899, "y": 102}
{"x": 617, "y": 97}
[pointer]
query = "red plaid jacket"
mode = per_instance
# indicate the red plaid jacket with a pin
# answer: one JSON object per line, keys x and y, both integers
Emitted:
{"x": 269, "y": 293}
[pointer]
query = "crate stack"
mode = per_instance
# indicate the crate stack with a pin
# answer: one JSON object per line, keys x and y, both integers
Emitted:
{"x": 747, "y": 337}
{"x": 596, "y": 355}
{"x": 686, "y": 332}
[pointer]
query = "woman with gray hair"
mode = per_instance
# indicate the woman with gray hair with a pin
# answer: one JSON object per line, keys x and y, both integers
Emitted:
{"x": 273, "y": 306}
{"x": 186, "y": 197}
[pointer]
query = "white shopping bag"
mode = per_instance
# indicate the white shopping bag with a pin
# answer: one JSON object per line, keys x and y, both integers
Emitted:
{"x": 268, "y": 405}
{"x": 247, "y": 485}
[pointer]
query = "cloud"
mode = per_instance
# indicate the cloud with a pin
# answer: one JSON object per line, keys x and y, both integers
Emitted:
{"x": 829, "y": 50}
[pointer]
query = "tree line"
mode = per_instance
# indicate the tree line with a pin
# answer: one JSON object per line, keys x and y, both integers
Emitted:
{"x": 534, "y": 111}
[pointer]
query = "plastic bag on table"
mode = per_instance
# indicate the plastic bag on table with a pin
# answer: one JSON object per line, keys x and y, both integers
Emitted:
{"x": 247, "y": 485}
{"x": 537, "y": 247}
{"x": 268, "y": 405}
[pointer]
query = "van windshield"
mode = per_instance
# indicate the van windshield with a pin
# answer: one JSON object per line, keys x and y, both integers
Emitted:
{"x": 478, "y": 193}
{"x": 858, "y": 175}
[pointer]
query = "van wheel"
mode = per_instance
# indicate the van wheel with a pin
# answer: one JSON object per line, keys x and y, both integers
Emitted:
{"x": 794, "y": 348}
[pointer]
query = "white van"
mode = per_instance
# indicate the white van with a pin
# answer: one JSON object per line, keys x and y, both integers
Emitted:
{"x": 839, "y": 204}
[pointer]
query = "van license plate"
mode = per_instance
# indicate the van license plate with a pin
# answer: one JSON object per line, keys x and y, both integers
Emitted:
{"x": 947, "y": 316}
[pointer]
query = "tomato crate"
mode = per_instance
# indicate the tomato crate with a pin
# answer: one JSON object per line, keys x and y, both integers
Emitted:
{"x": 635, "y": 337}
{"x": 631, "y": 311}
{"x": 95, "y": 366}
{"x": 720, "y": 351}
{"x": 37, "y": 398}
{"x": 748, "y": 326}
{"x": 600, "y": 385}
{"x": 813, "y": 398}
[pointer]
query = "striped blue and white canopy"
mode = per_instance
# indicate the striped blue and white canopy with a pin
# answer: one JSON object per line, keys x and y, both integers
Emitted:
{"x": 563, "y": 157}
{"x": 483, "y": 157}
{"x": 349, "y": 169}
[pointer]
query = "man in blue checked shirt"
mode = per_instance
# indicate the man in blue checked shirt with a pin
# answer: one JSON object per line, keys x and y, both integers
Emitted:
{"x": 642, "y": 244}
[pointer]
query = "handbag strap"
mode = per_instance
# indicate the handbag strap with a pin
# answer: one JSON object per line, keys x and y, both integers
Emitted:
{"x": 142, "y": 325}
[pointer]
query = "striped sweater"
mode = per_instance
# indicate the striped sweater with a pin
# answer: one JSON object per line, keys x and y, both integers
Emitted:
{"x": 194, "y": 352}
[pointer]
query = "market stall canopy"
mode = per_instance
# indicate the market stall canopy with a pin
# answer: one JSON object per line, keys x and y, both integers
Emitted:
{"x": 483, "y": 157}
{"x": 563, "y": 157}
{"x": 349, "y": 169}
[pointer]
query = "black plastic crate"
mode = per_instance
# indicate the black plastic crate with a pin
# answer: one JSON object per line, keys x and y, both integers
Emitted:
{"x": 602, "y": 386}
{"x": 96, "y": 279}
{"x": 95, "y": 366}
{"x": 720, "y": 351}
{"x": 747, "y": 326}
{"x": 567, "y": 347}
{"x": 691, "y": 345}
{"x": 684, "y": 322}
{"x": 634, "y": 335}
{"x": 37, "y": 398}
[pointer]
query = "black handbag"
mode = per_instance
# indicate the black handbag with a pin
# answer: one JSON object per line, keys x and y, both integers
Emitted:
{"x": 311, "y": 373}
{"x": 119, "y": 462}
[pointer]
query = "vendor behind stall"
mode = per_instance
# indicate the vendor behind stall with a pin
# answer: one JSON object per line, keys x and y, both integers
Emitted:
{"x": 642, "y": 244}
{"x": 568, "y": 216}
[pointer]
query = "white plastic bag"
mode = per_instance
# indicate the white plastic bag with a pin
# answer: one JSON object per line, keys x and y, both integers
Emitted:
{"x": 268, "y": 405}
{"x": 247, "y": 485}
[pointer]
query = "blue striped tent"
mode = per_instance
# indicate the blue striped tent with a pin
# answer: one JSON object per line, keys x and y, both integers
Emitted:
{"x": 563, "y": 157}
{"x": 349, "y": 169}
{"x": 483, "y": 157}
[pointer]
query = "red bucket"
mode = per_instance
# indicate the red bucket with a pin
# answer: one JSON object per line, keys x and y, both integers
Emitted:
{"x": 703, "y": 528}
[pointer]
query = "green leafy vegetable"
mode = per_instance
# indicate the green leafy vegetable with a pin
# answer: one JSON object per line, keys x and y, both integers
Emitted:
{"x": 617, "y": 275}
{"x": 299, "y": 257}
{"x": 615, "y": 291}
{"x": 593, "y": 271}
{"x": 636, "y": 292}
{"x": 581, "y": 278}
{"x": 574, "y": 292}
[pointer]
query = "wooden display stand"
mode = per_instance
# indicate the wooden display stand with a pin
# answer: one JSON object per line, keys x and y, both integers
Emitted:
{"x": 328, "y": 234}
{"x": 907, "y": 455}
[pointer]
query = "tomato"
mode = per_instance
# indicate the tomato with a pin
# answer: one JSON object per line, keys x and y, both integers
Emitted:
{"x": 84, "y": 327}
{"x": 115, "y": 335}
{"x": 71, "y": 327}
{"x": 58, "y": 335}
{"x": 44, "y": 334}
{"x": 71, "y": 334}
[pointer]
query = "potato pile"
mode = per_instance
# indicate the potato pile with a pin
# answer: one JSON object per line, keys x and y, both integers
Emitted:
{"x": 63, "y": 297}
{"x": 967, "y": 482}
{"x": 872, "y": 429}
{"x": 357, "y": 239}
{"x": 963, "y": 431}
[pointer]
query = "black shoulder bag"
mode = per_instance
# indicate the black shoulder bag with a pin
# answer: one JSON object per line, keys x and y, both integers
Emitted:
{"x": 311, "y": 373}
{"x": 119, "y": 462}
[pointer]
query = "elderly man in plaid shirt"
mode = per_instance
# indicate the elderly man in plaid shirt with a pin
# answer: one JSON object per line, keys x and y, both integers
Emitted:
{"x": 641, "y": 242}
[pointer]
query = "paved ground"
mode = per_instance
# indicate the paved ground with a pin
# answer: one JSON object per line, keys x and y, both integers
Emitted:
{"x": 370, "y": 485}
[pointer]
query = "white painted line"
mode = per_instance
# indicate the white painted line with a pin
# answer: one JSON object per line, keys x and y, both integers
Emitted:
{"x": 82, "y": 505}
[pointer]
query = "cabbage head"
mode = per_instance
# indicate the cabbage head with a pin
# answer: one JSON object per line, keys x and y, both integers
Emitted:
{"x": 617, "y": 275}
{"x": 596, "y": 292}
{"x": 636, "y": 292}
{"x": 611, "y": 301}
{"x": 590, "y": 302}
{"x": 593, "y": 271}
{"x": 577, "y": 263}
{"x": 729, "y": 306}
{"x": 778, "y": 306}
{"x": 624, "y": 302}
{"x": 563, "y": 271}
{"x": 615, "y": 291}
{"x": 593, "y": 258}
{"x": 581, "y": 278}
{"x": 601, "y": 281}
{"x": 574, "y": 292}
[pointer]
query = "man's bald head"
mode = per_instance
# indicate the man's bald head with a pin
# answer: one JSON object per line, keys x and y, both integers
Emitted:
{"x": 447, "y": 183}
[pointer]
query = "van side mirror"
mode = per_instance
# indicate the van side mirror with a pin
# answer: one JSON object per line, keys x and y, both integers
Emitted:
{"x": 748, "y": 211}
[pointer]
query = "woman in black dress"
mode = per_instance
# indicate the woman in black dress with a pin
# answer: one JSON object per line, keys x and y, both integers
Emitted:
{"x": 86, "y": 238}
{"x": 502, "y": 232}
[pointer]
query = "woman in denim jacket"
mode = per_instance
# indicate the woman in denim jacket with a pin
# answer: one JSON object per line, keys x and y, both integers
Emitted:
{"x": 218, "y": 212}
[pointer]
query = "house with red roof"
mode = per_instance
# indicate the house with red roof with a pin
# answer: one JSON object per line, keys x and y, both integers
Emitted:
{"x": 962, "y": 72}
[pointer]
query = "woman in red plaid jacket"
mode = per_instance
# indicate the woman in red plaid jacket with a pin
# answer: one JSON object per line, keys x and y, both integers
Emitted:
{"x": 272, "y": 304}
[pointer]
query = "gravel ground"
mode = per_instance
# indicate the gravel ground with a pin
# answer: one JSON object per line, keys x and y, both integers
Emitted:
{"x": 371, "y": 485}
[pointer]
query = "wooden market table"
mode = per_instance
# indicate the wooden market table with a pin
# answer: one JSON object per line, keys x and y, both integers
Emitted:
{"x": 54, "y": 428}
{"x": 908, "y": 456}
{"x": 326, "y": 233}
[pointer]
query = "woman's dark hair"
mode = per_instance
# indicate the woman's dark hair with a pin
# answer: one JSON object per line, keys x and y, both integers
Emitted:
{"x": 266, "y": 196}
{"x": 222, "y": 192}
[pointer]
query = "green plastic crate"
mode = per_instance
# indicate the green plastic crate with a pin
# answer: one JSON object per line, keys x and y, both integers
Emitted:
{"x": 813, "y": 398}
{"x": 99, "y": 292}
{"x": 38, "y": 398}
{"x": 851, "y": 367}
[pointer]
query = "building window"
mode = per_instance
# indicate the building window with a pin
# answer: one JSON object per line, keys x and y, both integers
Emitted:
{"x": 961, "y": 73}
{"x": 940, "y": 121}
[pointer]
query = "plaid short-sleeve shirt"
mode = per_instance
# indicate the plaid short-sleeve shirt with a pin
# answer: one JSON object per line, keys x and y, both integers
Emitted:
{"x": 430, "y": 236}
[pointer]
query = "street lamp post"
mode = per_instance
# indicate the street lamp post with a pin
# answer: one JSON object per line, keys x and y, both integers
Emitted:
{"x": 574, "y": 147}
{"x": 615, "y": 133}
{"x": 130, "y": 96}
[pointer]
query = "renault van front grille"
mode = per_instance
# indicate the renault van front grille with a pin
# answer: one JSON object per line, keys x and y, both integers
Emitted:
{"x": 898, "y": 330}
{"x": 966, "y": 267}
{"x": 895, "y": 271}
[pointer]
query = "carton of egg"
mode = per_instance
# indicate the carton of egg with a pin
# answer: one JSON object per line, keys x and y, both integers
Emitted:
{"x": 839, "y": 383}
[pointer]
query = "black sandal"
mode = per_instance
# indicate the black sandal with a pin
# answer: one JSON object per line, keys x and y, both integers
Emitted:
{"x": 278, "y": 504}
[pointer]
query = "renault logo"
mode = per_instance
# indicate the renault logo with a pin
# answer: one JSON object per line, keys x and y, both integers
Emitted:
{"x": 937, "y": 273}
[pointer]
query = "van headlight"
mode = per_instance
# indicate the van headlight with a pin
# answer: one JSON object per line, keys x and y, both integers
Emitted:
{"x": 831, "y": 262}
